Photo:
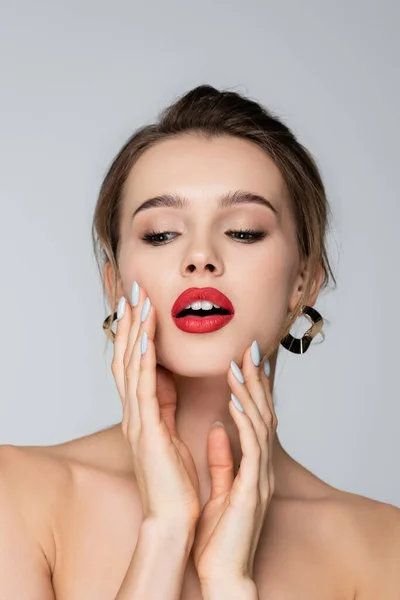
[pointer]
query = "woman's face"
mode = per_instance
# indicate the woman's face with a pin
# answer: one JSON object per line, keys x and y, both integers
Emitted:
{"x": 261, "y": 276}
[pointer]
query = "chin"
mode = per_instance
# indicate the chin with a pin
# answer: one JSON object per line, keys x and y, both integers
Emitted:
{"x": 195, "y": 364}
{"x": 209, "y": 355}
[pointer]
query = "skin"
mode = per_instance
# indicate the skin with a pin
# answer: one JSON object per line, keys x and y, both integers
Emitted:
{"x": 80, "y": 501}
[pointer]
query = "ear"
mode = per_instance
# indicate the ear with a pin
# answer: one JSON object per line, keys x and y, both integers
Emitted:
{"x": 299, "y": 285}
{"x": 316, "y": 286}
{"x": 109, "y": 282}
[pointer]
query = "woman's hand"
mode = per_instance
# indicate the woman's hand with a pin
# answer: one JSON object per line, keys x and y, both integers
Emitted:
{"x": 164, "y": 468}
{"x": 230, "y": 523}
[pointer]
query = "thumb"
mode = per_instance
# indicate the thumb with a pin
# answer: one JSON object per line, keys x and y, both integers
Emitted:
{"x": 220, "y": 461}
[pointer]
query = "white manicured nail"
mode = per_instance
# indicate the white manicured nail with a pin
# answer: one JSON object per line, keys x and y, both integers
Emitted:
{"x": 143, "y": 343}
{"x": 237, "y": 372}
{"x": 145, "y": 309}
{"x": 121, "y": 307}
{"x": 135, "y": 293}
{"x": 267, "y": 368}
{"x": 255, "y": 353}
{"x": 237, "y": 403}
{"x": 217, "y": 424}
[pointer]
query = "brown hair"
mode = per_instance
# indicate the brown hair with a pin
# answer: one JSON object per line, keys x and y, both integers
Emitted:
{"x": 211, "y": 113}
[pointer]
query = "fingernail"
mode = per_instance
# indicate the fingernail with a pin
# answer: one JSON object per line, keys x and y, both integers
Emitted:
{"x": 216, "y": 423}
{"x": 255, "y": 353}
{"x": 135, "y": 293}
{"x": 143, "y": 343}
{"x": 237, "y": 403}
{"x": 121, "y": 307}
{"x": 145, "y": 310}
{"x": 267, "y": 368}
{"x": 237, "y": 372}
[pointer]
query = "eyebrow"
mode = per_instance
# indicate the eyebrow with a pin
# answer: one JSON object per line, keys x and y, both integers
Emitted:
{"x": 228, "y": 199}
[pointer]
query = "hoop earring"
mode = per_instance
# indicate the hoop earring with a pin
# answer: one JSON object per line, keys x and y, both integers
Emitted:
{"x": 295, "y": 345}
{"x": 106, "y": 326}
{"x": 301, "y": 345}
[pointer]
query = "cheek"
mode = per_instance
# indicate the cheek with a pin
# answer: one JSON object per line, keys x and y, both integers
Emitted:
{"x": 136, "y": 265}
{"x": 271, "y": 274}
{"x": 267, "y": 287}
{"x": 264, "y": 309}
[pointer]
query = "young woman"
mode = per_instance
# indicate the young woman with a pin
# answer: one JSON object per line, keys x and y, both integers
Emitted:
{"x": 210, "y": 237}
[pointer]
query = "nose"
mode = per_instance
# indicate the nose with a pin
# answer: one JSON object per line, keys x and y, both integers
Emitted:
{"x": 192, "y": 267}
{"x": 202, "y": 256}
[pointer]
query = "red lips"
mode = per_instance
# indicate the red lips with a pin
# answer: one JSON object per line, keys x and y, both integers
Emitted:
{"x": 208, "y": 293}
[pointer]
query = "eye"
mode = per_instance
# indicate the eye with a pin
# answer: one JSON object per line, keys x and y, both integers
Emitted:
{"x": 149, "y": 237}
{"x": 256, "y": 235}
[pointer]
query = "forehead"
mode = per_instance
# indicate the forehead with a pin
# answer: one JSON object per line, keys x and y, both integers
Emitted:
{"x": 197, "y": 167}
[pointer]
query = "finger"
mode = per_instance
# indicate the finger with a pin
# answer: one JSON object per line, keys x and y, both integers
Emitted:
{"x": 220, "y": 462}
{"x": 131, "y": 411}
{"x": 251, "y": 395}
{"x": 265, "y": 379}
{"x": 167, "y": 397}
{"x": 241, "y": 391}
{"x": 221, "y": 465}
{"x": 246, "y": 484}
{"x": 259, "y": 390}
{"x": 256, "y": 391}
{"x": 274, "y": 421}
{"x": 271, "y": 476}
{"x": 121, "y": 336}
{"x": 258, "y": 384}
{"x": 131, "y": 360}
{"x": 141, "y": 372}
{"x": 238, "y": 384}
{"x": 139, "y": 296}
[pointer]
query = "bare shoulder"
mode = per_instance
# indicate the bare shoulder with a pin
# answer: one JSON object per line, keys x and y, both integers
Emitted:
{"x": 338, "y": 544}
{"x": 364, "y": 535}
{"x": 32, "y": 480}
{"x": 372, "y": 544}
{"x": 32, "y": 470}
{"x": 41, "y": 480}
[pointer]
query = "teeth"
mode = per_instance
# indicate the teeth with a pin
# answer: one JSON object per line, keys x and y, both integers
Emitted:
{"x": 201, "y": 305}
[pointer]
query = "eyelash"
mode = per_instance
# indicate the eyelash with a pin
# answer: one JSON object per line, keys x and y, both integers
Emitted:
{"x": 257, "y": 235}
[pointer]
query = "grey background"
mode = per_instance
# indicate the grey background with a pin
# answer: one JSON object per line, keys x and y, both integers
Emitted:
{"x": 76, "y": 79}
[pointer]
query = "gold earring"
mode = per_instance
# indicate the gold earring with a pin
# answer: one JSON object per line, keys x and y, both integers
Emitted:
{"x": 106, "y": 326}
{"x": 301, "y": 345}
